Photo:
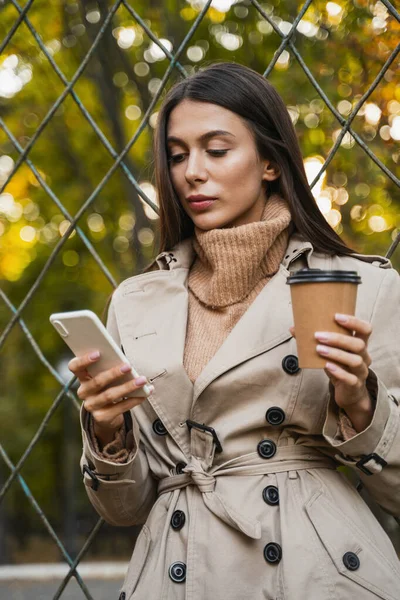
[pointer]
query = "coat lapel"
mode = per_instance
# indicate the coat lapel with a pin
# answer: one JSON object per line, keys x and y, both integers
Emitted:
{"x": 152, "y": 311}
{"x": 264, "y": 325}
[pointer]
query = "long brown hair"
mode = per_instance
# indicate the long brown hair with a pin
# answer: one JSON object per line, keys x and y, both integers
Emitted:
{"x": 248, "y": 94}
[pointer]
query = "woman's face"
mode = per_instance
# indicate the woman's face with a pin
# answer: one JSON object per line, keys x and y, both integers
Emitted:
{"x": 224, "y": 166}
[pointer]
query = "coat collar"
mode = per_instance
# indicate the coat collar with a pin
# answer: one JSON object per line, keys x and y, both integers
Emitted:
{"x": 152, "y": 310}
{"x": 183, "y": 254}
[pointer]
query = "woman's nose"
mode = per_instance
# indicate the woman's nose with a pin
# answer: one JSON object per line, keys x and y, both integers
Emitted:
{"x": 195, "y": 168}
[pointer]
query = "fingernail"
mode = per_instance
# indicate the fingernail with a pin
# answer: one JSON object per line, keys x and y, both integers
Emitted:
{"x": 125, "y": 368}
{"x": 140, "y": 380}
{"x": 341, "y": 318}
{"x": 94, "y": 355}
{"x": 320, "y": 335}
{"x": 151, "y": 388}
{"x": 322, "y": 349}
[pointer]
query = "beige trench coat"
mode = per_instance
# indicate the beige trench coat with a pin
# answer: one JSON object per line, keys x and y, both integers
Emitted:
{"x": 228, "y": 518}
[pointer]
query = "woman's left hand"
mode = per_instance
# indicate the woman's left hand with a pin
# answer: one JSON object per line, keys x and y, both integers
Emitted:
{"x": 348, "y": 359}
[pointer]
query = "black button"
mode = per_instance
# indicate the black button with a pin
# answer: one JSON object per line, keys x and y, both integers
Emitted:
{"x": 158, "y": 427}
{"x": 179, "y": 467}
{"x": 266, "y": 448}
{"x": 351, "y": 561}
{"x": 272, "y": 552}
{"x": 290, "y": 364}
{"x": 177, "y": 572}
{"x": 122, "y": 596}
{"x": 275, "y": 415}
{"x": 178, "y": 520}
{"x": 271, "y": 495}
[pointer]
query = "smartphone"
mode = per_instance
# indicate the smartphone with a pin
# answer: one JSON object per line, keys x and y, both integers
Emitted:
{"x": 83, "y": 332}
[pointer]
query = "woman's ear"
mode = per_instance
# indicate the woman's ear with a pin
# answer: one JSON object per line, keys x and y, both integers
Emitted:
{"x": 271, "y": 171}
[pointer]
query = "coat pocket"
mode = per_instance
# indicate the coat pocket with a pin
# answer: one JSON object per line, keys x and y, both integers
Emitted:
{"x": 354, "y": 555}
{"x": 137, "y": 562}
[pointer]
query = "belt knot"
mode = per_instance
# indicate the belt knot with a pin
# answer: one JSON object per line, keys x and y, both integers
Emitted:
{"x": 203, "y": 480}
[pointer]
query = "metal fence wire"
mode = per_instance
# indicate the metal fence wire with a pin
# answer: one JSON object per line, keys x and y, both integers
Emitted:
{"x": 22, "y": 16}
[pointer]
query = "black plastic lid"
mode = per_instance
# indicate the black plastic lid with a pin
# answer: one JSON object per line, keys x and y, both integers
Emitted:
{"x": 320, "y": 276}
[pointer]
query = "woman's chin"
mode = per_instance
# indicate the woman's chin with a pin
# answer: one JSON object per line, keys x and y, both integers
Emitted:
{"x": 208, "y": 222}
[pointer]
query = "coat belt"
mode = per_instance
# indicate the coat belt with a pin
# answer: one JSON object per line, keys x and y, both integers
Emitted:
{"x": 288, "y": 458}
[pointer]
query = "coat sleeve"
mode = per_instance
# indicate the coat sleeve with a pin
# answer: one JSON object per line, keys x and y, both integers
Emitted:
{"x": 118, "y": 450}
{"x": 121, "y": 493}
{"x": 374, "y": 453}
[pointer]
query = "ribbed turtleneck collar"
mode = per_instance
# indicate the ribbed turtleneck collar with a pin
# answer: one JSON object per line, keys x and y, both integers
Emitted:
{"x": 231, "y": 261}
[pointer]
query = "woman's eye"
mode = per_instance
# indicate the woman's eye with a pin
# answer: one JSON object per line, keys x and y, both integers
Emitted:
{"x": 217, "y": 152}
{"x": 176, "y": 157}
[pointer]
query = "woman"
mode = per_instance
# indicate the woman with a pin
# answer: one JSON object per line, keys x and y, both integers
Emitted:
{"x": 231, "y": 464}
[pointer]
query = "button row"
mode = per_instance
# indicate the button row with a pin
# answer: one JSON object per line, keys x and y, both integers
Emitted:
{"x": 177, "y": 571}
{"x": 274, "y": 415}
{"x": 266, "y": 449}
{"x": 272, "y": 554}
{"x": 272, "y": 551}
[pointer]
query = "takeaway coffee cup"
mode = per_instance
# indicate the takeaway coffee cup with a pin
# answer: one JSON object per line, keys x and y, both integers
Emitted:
{"x": 316, "y": 296}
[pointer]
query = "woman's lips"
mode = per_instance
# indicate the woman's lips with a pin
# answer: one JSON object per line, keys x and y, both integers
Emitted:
{"x": 200, "y": 205}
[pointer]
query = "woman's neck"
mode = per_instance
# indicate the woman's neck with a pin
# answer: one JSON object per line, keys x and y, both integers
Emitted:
{"x": 231, "y": 261}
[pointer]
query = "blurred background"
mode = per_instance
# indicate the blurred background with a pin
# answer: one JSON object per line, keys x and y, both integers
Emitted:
{"x": 57, "y": 157}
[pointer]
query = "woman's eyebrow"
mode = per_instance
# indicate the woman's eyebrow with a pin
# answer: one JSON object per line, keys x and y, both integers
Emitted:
{"x": 204, "y": 136}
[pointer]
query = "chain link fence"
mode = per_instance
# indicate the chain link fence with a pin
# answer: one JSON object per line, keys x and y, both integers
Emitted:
{"x": 120, "y": 163}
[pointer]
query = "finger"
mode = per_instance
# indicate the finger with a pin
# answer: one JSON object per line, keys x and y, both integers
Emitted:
{"x": 112, "y": 395}
{"x": 344, "y": 376}
{"x": 105, "y": 416}
{"x": 97, "y": 384}
{"x": 362, "y": 328}
{"x": 84, "y": 375}
{"x": 352, "y": 344}
{"x": 331, "y": 376}
{"x": 292, "y": 331}
{"x": 354, "y": 362}
{"x": 78, "y": 365}
{"x": 341, "y": 340}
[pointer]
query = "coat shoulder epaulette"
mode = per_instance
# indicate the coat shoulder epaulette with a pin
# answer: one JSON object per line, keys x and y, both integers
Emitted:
{"x": 374, "y": 259}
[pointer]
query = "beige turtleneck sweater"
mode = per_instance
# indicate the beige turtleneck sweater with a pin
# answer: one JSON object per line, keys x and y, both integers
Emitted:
{"x": 231, "y": 267}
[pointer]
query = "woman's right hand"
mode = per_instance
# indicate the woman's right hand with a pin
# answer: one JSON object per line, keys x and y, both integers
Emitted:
{"x": 105, "y": 405}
